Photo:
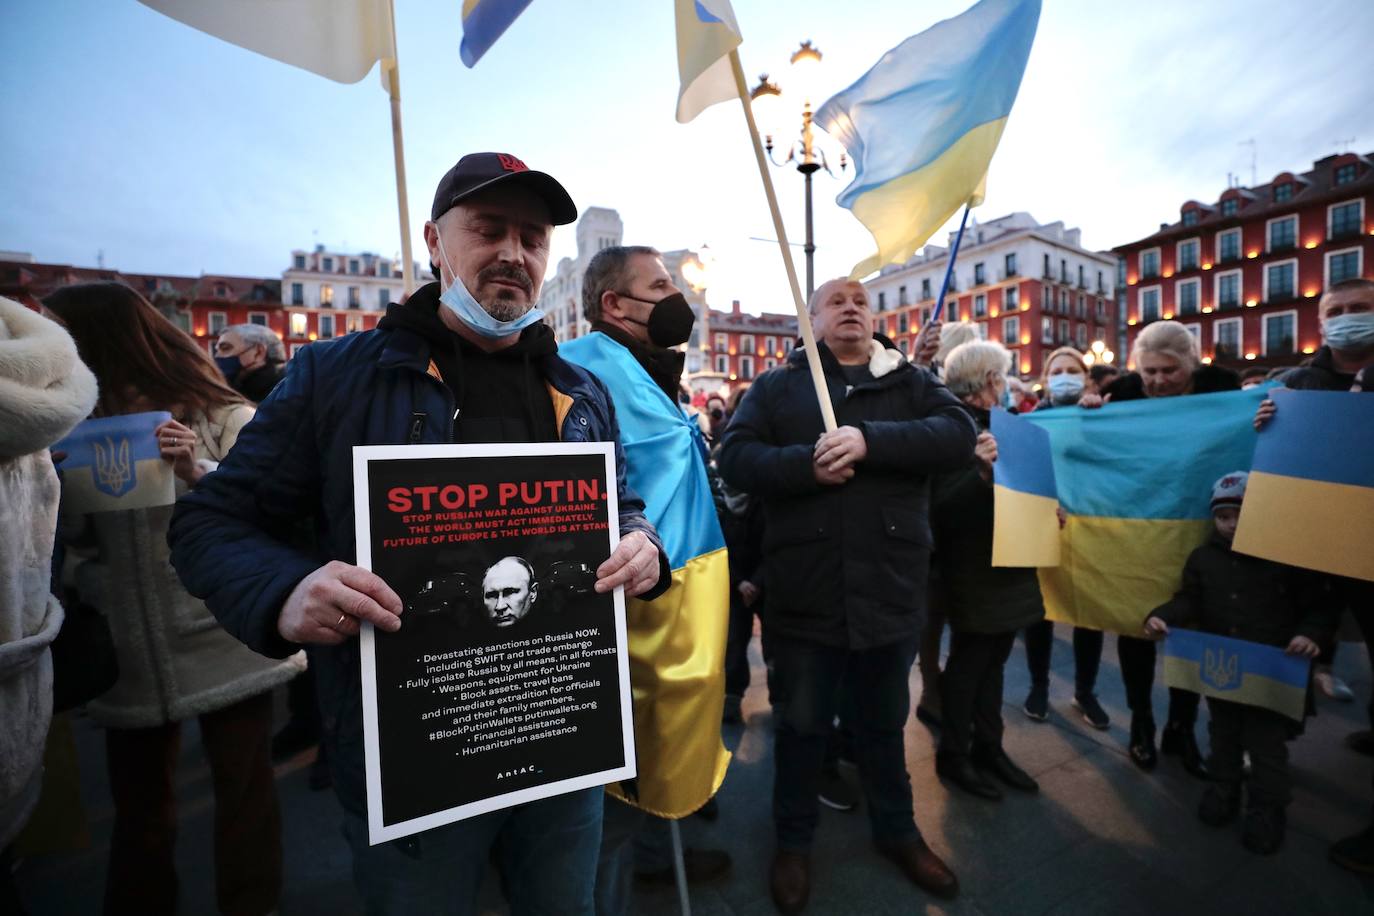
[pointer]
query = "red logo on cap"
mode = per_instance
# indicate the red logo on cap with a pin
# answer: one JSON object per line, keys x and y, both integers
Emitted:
{"x": 510, "y": 163}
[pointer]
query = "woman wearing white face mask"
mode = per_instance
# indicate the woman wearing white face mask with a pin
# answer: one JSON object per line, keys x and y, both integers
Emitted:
{"x": 1064, "y": 380}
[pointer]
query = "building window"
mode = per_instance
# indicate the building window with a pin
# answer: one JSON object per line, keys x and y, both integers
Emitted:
{"x": 221, "y": 291}
{"x": 353, "y": 324}
{"x": 1063, "y": 271}
{"x": 722, "y": 364}
{"x": 299, "y": 262}
{"x": 298, "y": 324}
{"x": 980, "y": 306}
{"x": 259, "y": 318}
{"x": 903, "y": 322}
{"x": 1280, "y": 334}
{"x": 925, "y": 316}
{"x": 1064, "y": 330}
{"x": 1187, "y": 292}
{"x": 1046, "y": 272}
{"x": 1283, "y": 192}
{"x": 218, "y": 321}
{"x": 1226, "y": 338}
{"x": 1190, "y": 217}
{"x": 882, "y": 302}
{"x": 770, "y": 345}
{"x": 326, "y": 327}
{"x": 1149, "y": 305}
{"x": 1100, "y": 311}
{"x": 787, "y": 345}
{"x": 1082, "y": 284}
{"x": 1228, "y": 245}
{"x": 1046, "y": 298}
{"x": 1343, "y": 265}
{"x": 1187, "y": 255}
{"x": 1063, "y": 302}
{"x": 1011, "y": 330}
{"x": 1280, "y": 281}
{"x": 1012, "y": 298}
{"x": 1010, "y": 261}
{"x": 298, "y": 294}
{"x": 1080, "y": 336}
{"x": 1082, "y": 311}
{"x": 1229, "y": 207}
{"x": 746, "y": 367}
{"x": 722, "y": 343}
{"x": 383, "y": 297}
{"x": 183, "y": 320}
{"x": 1149, "y": 264}
{"x": 1228, "y": 289}
{"x": 746, "y": 343}
{"x": 1283, "y": 233}
{"x": 1047, "y": 331}
{"x": 979, "y": 274}
{"x": 328, "y": 265}
{"x": 952, "y": 310}
{"x": 1345, "y": 174}
{"x": 770, "y": 363}
{"x": 1345, "y": 220}
{"x": 901, "y": 292}
{"x": 355, "y": 297}
{"x": 353, "y": 265}
{"x": 925, "y": 289}
{"x": 326, "y": 294}
{"x": 1100, "y": 288}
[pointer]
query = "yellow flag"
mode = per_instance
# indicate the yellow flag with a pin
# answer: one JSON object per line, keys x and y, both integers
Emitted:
{"x": 706, "y": 34}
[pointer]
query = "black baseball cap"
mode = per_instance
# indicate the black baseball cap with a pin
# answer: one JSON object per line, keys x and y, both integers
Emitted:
{"x": 477, "y": 172}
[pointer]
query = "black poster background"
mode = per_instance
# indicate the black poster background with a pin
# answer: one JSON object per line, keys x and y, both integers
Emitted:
{"x": 419, "y": 775}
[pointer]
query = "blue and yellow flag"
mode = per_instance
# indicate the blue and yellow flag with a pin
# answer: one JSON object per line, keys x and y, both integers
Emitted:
{"x": 1025, "y": 499}
{"x": 1136, "y": 481}
{"x": 114, "y": 463}
{"x": 1310, "y": 500}
{"x": 484, "y": 21}
{"x": 922, "y": 125}
{"x": 706, "y": 34}
{"x": 677, "y": 641}
{"x": 1236, "y": 670}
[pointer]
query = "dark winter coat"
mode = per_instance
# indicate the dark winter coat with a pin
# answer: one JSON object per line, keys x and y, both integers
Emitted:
{"x": 1318, "y": 375}
{"x": 1235, "y": 594}
{"x": 257, "y": 384}
{"x": 846, "y": 565}
{"x": 232, "y": 536}
{"x": 1206, "y": 380}
{"x": 976, "y": 596}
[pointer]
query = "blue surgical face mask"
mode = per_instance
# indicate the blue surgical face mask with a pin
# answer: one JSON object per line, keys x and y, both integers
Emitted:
{"x": 458, "y": 300}
{"x": 1349, "y": 332}
{"x": 1066, "y": 387}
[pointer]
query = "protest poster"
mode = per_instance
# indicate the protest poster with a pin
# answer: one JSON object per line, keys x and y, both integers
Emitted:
{"x": 509, "y": 679}
{"x": 114, "y": 463}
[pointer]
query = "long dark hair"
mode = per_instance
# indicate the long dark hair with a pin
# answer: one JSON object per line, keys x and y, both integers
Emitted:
{"x": 134, "y": 350}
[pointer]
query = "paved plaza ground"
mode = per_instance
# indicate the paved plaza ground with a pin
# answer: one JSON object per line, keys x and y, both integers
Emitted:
{"x": 1102, "y": 837}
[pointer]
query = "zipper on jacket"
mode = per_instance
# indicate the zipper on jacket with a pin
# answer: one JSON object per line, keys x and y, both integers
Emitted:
{"x": 417, "y": 427}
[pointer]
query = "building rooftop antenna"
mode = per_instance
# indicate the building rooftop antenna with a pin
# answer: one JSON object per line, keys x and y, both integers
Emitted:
{"x": 1254, "y": 155}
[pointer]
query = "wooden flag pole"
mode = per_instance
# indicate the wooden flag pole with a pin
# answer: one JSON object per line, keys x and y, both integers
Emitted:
{"x": 813, "y": 356}
{"x": 393, "y": 86}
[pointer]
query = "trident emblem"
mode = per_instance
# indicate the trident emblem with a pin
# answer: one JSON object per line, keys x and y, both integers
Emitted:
{"x": 1220, "y": 670}
{"x": 114, "y": 473}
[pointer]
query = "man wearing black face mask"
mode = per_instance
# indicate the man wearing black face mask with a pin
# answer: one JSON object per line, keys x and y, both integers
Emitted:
{"x": 638, "y": 317}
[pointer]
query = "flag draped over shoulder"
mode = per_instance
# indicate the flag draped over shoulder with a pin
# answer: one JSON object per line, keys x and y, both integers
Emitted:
{"x": 1025, "y": 498}
{"x": 339, "y": 41}
{"x": 706, "y": 34}
{"x": 1310, "y": 499}
{"x": 922, "y": 125}
{"x": 1136, "y": 481}
{"x": 1236, "y": 670}
{"x": 677, "y": 641}
{"x": 484, "y": 21}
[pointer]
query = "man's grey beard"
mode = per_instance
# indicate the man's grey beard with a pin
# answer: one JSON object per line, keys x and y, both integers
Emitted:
{"x": 503, "y": 308}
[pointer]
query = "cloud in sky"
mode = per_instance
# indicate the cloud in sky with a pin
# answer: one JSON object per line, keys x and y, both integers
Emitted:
{"x": 174, "y": 152}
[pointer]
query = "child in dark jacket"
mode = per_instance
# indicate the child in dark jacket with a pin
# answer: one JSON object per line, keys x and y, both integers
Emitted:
{"x": 1244, "y": 597}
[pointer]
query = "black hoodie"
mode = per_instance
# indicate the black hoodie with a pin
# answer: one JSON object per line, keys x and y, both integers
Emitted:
{"x": 500, "y": 396}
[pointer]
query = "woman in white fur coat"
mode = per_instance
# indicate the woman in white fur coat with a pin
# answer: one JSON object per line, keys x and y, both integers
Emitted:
{"x": 175, "y": 661}
{"x": 44, "y": 392}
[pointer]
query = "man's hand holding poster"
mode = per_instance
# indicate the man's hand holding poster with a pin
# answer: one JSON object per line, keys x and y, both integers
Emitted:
{"x": 508, "y": 680}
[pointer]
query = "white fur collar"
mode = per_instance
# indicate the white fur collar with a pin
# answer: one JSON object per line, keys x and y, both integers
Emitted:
{"x": 45, "y": 389}
{"x": 882, "y": 360}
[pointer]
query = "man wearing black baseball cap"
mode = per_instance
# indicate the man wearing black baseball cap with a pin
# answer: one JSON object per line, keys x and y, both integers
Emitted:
{"x": 464, "y": 359}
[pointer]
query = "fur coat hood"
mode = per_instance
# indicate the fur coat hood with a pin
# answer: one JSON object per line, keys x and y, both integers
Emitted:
{"x": 45, "y": 390}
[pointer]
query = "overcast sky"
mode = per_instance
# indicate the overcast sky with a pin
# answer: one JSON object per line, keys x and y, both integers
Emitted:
{"x": 173, "y": 152}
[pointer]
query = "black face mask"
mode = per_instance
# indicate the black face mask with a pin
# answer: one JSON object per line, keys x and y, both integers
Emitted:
{"x": 670, "y": 321}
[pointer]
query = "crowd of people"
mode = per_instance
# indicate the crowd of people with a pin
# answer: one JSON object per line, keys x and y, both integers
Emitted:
{"x": 851, "y": 551}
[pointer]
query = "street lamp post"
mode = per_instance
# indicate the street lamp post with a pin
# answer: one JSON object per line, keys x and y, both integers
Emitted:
{"x": 809, "y": 157}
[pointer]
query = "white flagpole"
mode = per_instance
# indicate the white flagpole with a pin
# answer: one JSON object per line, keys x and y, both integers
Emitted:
{"x": 813, "y": 356}
{"x": 398, "y": 149}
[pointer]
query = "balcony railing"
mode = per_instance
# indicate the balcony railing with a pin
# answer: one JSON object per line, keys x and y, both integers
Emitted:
{"x": 1228, "y": 257}
{"x": 1277, "y": 247}
{"x": 1340, "y": 234}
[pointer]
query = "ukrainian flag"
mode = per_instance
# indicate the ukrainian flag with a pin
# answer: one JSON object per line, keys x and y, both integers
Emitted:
{"x": 1025, "y": 499}
{"x": 484, "y": 21}
{"x": 706, "y": 34}
{"x": 1310, "y": 499}
{"x": 114, "y": 463}
{"x": 1236, "y": 670}
{"x": 1136, "y": 481}
{"x": 677, "y": 641}
{"x": 922, "y": 125}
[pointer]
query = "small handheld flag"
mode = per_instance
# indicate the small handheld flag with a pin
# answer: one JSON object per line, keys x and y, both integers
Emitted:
{"x": 114, "y": 463}
{"x": 922, "y": 125}
{"x": 1236, "y": 670}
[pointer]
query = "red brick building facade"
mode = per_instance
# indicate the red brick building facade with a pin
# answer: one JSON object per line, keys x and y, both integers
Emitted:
{"x": 737, "y": 348}
{"x": 1245, "y": 273}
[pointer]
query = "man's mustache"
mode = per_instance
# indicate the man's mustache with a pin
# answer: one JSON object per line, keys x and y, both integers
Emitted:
{"x": 510, "y": 272}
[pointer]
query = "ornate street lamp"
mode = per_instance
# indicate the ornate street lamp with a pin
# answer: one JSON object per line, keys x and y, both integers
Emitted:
{"x": 808, "y": 156}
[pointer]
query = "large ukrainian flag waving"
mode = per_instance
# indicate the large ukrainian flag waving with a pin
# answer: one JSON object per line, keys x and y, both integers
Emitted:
{"x": 677, "y": 641}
